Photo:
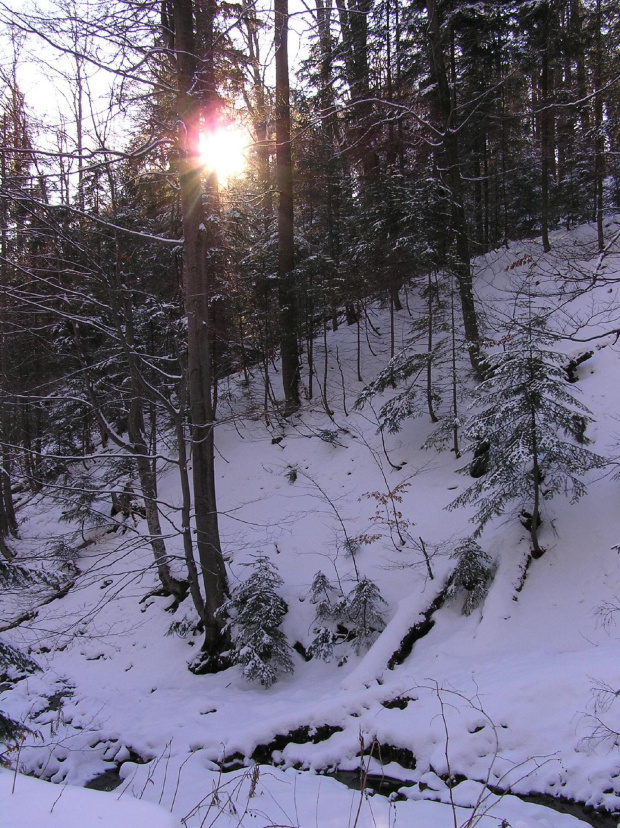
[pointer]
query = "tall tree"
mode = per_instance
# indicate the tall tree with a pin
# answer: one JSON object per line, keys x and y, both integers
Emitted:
{"x": 286, "y": 240}
{"x": 445, "y": 102}
{"x": 196, "y": 102}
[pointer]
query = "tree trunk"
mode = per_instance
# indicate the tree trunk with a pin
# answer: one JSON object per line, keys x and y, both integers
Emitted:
{"x": 286, "y": 245}
{"x": 545, "y": 148}
{"x": 599, "y": 141}
{"x": 537, "y": 550}
{"x": 450, "y": 147}
{"x": 200, "y": 283}
{"x": 186, "y": 512}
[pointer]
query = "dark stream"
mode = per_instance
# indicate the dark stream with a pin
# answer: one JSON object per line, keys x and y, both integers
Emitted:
{"x": 386, "y": 786}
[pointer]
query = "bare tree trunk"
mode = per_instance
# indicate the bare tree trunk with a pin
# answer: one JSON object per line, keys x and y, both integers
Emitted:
{"x": 545, "y": 149}
{"x": 200, "y": 282}
{"x": 599, "y": 141}
{"x": 286, "y": 244}
{"x": 8, "y": 521}
{"x": 186, "y": 511}
{"x": 429, "y": 350}
{"x": 450, "y": 146}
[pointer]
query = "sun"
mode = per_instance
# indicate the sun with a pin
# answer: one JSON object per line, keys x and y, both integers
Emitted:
{"x": 223, "y": 151}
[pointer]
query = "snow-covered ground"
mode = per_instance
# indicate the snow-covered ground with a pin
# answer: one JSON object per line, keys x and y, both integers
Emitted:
{"x": 504, "y": 698}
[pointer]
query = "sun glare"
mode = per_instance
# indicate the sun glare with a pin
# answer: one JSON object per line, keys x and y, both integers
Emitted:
{"x": 223, "y": 151}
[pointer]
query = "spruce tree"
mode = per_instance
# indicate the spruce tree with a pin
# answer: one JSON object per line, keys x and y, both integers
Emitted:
{"x": 362, "y": 610}
{"x": 534, "y": 426}
{"x": 257, "y": 611}
{"x": 471, "y": 574}
{"x": 13, "y": 662}
{"x": 356, "y": 617}
{"x": 328, "y": 602}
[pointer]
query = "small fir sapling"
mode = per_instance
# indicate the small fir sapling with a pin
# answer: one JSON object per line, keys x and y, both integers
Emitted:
{"x": 356, "y": 617}
{"x": 325, "y": 596}
{"x": 447, "y": 432}
{"x": 13, "y": 662}
{"x": 323, "y": 643}
{"x": 526, "y": 412}
{"x": 412, "y": 368}
{"x": 471, "y": 574}
{"x": 404, "y": 367}
{"x": 13, "y": 665}
{"x": 327, "y": 600}
{"x": 257, "y": 611}
{"x": 16, "y": 576}
{"x": 362, "y": 610}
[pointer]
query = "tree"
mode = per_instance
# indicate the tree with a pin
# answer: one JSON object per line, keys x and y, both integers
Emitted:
{"x": 13, "y": 662}
{"x": 426, "y": 367}
{"x": 356, "y": 617}
{"x": 522, "y": 410}
{"x": 175, "y": 54}
{"x": 445, "y": 102}
{"x": 286, "y": 242}
{"x": 361, "y": 609}
{"x": 471, "y": 574}
{"x": 16, "y": 162}
{"x": 196, "y": 103}
{"x": 257, "y": 612}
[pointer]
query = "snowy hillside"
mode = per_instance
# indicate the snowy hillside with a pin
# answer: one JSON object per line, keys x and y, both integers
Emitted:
{"x": 519, "y": 696}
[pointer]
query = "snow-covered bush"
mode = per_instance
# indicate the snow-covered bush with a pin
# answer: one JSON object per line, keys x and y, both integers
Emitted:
{"x": 473, "y": 570}
{"x": 256, "y": 612}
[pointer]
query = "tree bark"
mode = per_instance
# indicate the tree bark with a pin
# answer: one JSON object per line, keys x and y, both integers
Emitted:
{"x": 450, "y": 147}
{"x": 599, "y": 141}
{"x": 545, "y": 148}
{"x": 200, "y": 283}
{"x": 286, "y": 245}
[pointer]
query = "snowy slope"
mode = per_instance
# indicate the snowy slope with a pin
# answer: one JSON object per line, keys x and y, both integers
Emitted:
{"x": 504, "y": 696}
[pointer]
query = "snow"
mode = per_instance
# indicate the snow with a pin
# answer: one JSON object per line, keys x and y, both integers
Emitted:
{"x": 505, "y": 696}
{"x": 27, "y": 803}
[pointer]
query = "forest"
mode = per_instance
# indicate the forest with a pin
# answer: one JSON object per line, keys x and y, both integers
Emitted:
{"x": 309, "y": 370}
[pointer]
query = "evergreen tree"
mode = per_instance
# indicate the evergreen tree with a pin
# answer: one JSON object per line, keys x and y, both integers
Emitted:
{"x": 257, "y": 610}
{"x": 535, "y": 429}
{"x": 328, "y": 602}
{"x": 407, "y": 367}
{"x": 426, "y": 370}
{"x": 357, "y": 617}
{"x": 471, "y": 574}
{"x": 13, "y": 662}
{"x": 362, "y": 609}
